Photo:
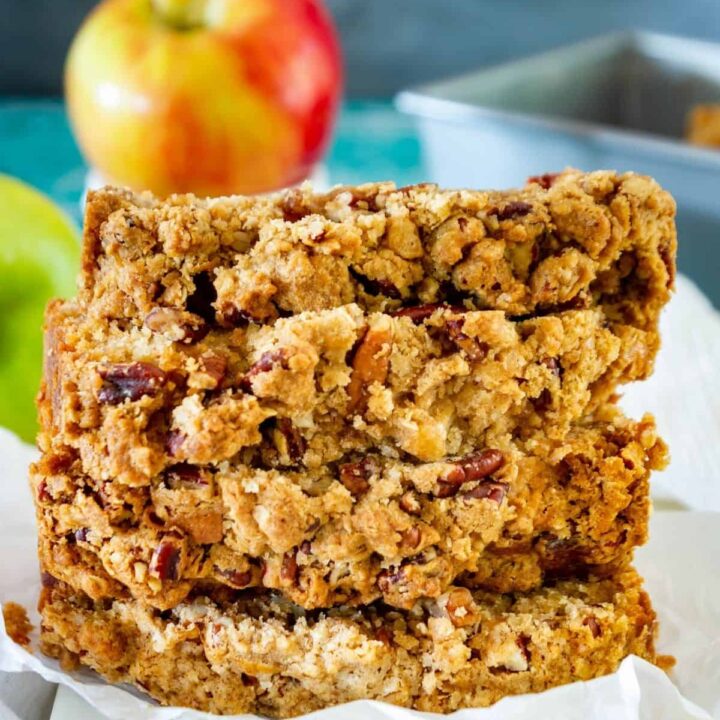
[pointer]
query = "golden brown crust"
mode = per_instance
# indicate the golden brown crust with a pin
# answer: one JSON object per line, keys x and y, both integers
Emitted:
{"x": 569, "y": 239}
{"x": 262, "y": 655}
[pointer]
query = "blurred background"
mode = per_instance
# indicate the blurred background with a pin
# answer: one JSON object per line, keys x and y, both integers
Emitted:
{"x": 388, "y": 44}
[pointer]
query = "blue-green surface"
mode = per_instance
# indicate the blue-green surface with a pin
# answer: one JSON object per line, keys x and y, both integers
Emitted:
{"x": 372, "y": 142}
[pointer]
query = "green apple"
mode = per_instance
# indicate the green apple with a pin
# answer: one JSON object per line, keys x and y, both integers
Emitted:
{"x": 39, "y": 259}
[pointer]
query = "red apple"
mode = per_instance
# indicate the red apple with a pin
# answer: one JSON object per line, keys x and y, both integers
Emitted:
{"x": 206, "y": 96}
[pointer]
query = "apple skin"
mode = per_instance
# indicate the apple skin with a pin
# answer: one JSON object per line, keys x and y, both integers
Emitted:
{"x": 243, "y": 101}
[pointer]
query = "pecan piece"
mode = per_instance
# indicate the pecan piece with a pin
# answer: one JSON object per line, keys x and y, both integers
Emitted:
{"x": 488, "y": 490}
{"x": 184, "y": 326}
{"x": 370, "y": 364}
{"x": 165, "y": 561}
{"x": 184, "y": 475}
{"x": 591, "y": 622}
{"x": 268, "y": 360}
{"x": 293, "y": 207}
{"x": 236, "y": 578}
{"x": 460, "y": 607}
{"x": 545, "y": 181}
{"x": 214, "y": 366}
{"x": 474, "y": 467}
{"x": 388, "y": 578}
{"x": 411, "y": 538}
{"x": 516, "y": 208}
{"x": 355, "y": 476}
{"x": 130, "y": 381}
{"x": 472, "y": 347}
{"x": 418, "y": 313}
{"x": 289, "y": 441}
{"x": 409, "y": 503}
{"x": 289, "y": 568}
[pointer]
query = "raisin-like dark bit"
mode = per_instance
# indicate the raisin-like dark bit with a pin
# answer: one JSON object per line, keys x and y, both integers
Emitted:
{"x": 355, "y": 476}
{"x": 249, "y": 680}
{"x": 488, "y": 490}
{"x": 516, "y": 208}
{"x": 545, "y": 181}
{"x": 294, "y": 441}
{"x": 418, "y": 313}
{"x": 268, "y": 360}
{"x": 289, "y": 567}
{"x": 165, "y": 561}
{"x": 130, "y": 381}
{"x": 237, "y": 578}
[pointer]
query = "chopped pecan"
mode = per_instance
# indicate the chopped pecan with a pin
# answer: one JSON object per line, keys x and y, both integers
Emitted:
{"x": 268, "y": 360}
{"x": 289, "y": 567}
{"x": 214, "y": 366}
{"x": 293, "y": 207}
{"x": 472, "y": 347}
{"x": 165, "y": 561}
{"x": 47, "y": 580}
{"x": 185, "y": 475}
{"x": 409, "y": 503}
{"x": 130, "y": 381}
{"x": 516, "y": 208}
{"x": 370, "y": 364}
{"x": 236, "y": 578}
{"x": 289, "y": 441}
{"x": 418, "y": 313}
{"x": 491, "y": 490}
{"x": 545, "y": 181}
{"x": 460, "y": 607}
{"x": 411, "y": 538}
{"x": 355, "y": 476}
{"x": 474, "y": 467}
{"x": 185, "y": 326}
{"x": 388, "y": 578}
{"x": 591, "y": 622}
{"x": 231, "y": 316}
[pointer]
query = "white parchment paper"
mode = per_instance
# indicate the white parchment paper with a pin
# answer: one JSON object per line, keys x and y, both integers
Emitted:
{"x": 681, "y": 563}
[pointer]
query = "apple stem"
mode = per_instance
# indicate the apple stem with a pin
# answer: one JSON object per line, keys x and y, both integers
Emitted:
{"x": 181, "y": 14}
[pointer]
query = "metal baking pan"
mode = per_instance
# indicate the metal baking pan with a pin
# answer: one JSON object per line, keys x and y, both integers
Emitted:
{"x": 619, "y": 101}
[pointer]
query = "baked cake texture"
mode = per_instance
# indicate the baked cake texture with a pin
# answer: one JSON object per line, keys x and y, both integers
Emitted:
{"x": 313, "y": 447}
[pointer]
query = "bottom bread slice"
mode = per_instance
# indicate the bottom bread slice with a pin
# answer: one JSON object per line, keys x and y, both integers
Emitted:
{"x": 262, "y": 654}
